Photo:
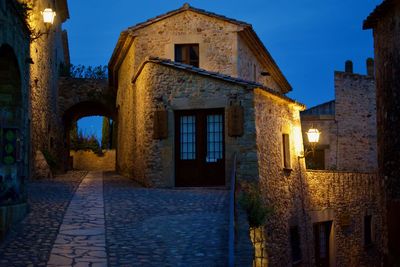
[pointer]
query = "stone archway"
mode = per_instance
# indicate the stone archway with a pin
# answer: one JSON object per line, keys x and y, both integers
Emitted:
{"x": 13, "y": 168}
{"x": 80, "y": 97}
{"x": 80, "y": 110}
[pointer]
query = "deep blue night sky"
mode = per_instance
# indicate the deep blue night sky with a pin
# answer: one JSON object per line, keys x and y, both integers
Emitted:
{"x": 308, "y": 39}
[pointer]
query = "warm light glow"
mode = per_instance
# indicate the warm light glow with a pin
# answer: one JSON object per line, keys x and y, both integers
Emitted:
{"x": 48, "y": 15}
{"x": 298, "y": 140}
{"x": 313, "y": 135}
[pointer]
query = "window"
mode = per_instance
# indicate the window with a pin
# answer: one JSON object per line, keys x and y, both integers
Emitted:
{"x": 322, "y": 232}
{"x": 214, "y": 138}
{"x": 187, "y": 54}
{"x": 188, "y": 137}
{"x": 368, "y": 230}
{"x": 295, "y": 245}
{"x": 286, "y": 151}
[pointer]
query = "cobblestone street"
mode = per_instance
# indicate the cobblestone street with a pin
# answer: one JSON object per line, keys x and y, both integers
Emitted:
{"x": 112, "y": 221}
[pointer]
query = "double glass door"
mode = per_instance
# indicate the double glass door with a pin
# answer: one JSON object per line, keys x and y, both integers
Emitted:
{"x": 199, "y": 148}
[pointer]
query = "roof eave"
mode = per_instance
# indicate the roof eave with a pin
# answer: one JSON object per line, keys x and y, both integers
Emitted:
{"x": 259, "y": 49}
{"x": 123, "y": 45}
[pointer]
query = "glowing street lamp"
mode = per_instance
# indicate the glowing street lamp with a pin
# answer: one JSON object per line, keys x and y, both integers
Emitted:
{"x": 313, "y": 135}
{"x": 48, "y": 16}
{"x": 48, "y": 19}
{"x": 313, "y": 138}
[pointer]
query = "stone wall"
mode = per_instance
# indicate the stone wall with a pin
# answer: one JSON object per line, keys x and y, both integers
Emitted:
{"x": 90, "y": 161}
{"x": 385, "y": 22}
{"x": 356, "y": 122}
{"x": 299, "y": 198}
{"x": 349, "y": 133}
{"x": 386, "y": 42}
{"x": 217, "y": 40}
{"x": 280, "y": 186}
{"x": 14, "y": 96}
{"x": 221, "y": 49}
{"x": 125, "y": 112}
{"x": 148, "y": 160}
{"x": 345, "y": 198}
{"x": 250, "y": 68}
{"x": 14, "y": 114}
{"x": 47, "y": 53}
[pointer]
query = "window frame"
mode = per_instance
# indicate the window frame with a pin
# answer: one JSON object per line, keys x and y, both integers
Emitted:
{"x": 189, "y": 60}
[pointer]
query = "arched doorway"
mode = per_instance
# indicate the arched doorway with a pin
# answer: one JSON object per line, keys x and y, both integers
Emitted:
{"x": 92, "y": 155}
{"x": 13, "y": 168}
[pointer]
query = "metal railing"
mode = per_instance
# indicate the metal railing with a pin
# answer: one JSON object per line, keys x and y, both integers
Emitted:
{"x": 232, "y": 203}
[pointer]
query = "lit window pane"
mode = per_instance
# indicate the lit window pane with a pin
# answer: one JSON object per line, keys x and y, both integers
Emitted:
{"x": 188, "y": 137}
{"x": 214, "y": 138}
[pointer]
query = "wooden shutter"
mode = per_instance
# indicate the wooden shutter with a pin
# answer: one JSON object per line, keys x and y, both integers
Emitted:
{"x": 235, "y": 121}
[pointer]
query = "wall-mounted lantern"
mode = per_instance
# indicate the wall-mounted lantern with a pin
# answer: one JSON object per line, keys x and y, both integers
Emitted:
{"x": 313, "y": 135}
{"x": 48, "y": 16}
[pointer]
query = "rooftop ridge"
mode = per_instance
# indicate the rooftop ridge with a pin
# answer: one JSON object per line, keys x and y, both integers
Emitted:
{"x": 186, "y": 7}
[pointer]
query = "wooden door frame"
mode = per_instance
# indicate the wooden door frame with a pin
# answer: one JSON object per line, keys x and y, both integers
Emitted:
{"x": 201, "y": 147}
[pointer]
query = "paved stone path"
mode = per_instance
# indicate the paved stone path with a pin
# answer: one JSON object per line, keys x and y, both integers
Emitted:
{"x": 29, "y": 243}
{"x": 165, "y": 227}
{"x": 81, "y": 239}
{"x": 112, "y": 221}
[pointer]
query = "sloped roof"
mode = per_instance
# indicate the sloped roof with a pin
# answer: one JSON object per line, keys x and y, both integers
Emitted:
{"x": 185, "y": 7}
{"x": 380, "y": 11}
{"x": 327, "y": 108}
{"x": 248, "y": 84}
{"x": 248, "y": 34}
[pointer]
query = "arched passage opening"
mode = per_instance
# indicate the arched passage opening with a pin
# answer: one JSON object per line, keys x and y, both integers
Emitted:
{"x": 13, "y": 168}
{"x": 85, "y": 150}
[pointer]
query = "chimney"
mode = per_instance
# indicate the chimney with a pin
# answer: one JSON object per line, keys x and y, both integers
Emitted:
{"x": 348, "y": 66}
{"x": 370, "y": 67}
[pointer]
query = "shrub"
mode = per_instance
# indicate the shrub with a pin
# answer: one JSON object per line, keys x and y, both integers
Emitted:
{"x": 251, "y": 201}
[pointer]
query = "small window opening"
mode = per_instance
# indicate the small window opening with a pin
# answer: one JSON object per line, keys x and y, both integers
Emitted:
{"x": 187, "y": 54}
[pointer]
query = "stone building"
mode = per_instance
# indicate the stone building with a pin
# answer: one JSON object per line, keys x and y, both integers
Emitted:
{"x": 203, "y": 51}
{"x": 385, "y": 23}
{"x": 348, "y": 124}
{"x": 194, "y": 89}
{"x": 50, "y": 55}
{"x": 31, "y": 55}
{"x": 14, "y": 112}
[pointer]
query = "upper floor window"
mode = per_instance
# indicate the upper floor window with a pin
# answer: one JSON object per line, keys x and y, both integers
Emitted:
{"x": 187, "y": 54}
